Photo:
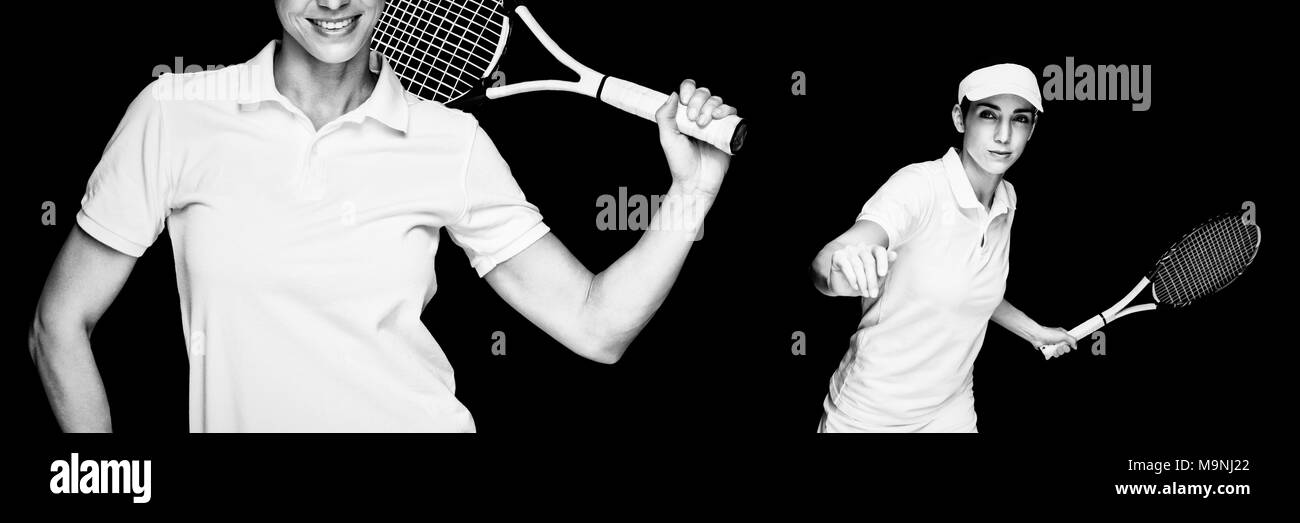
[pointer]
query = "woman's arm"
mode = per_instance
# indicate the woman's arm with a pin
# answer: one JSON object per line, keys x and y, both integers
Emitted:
{"x": 598, "y": 315}
{"x": 855, "y": 263}
{"x": 85, "y": 279}
{"x": 595, "y": 315}
{"x": 1029, "y": 330}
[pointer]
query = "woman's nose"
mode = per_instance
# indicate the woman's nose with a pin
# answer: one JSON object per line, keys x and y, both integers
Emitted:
{"x": 1003, "y": 135}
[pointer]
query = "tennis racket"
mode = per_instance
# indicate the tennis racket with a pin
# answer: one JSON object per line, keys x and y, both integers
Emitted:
{"x": 1203, "y": 262}
{"x": 447, "y": 50}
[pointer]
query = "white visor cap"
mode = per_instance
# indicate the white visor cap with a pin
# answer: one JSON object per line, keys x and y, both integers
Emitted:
{"x": 1001, "y": 79}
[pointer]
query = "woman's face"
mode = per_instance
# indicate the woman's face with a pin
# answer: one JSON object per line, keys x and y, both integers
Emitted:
{"x": 333, "y": 31}
{"x": 995, "y": 131}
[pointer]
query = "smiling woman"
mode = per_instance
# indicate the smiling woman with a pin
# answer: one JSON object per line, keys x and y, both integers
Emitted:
{"x": 324, "y": 70}
{"x": 304, "y": 214}
{"x": 332, "y": 32}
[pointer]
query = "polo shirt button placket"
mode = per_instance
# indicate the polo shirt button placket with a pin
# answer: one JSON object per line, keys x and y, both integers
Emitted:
{"x": 985, "y": 220}
{"x": 313, "y": 187}
{"x": 984, "y": 250}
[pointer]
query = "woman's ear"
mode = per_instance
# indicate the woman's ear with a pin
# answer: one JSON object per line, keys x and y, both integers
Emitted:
{"x": 958, "y": 119}
{"x": 375, "y": 61}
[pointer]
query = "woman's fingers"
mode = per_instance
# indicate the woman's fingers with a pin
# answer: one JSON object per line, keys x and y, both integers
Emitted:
{"x": 686, "y": 90}
{"x": 882, "y": 260}
{"x": 1069, "y": 340}
{"x": 696, "y": 102}
{"x": 840, "y": 262}
{"x": 860, "y": 272}
{"x": 707, "y": 112}
{"x": 872, "y": 283}
{"x": 864, "y": 267}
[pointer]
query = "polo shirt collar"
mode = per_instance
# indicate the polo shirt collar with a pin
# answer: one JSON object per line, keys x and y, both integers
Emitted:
{"x": 386, "y": 104}
{"x": 961, "y": 187}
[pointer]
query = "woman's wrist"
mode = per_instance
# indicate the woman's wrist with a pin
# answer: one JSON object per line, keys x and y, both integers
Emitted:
{"x": 690, "y": 192}
{"x": 684, "y": 209}
{"x": 1038, "y": 335}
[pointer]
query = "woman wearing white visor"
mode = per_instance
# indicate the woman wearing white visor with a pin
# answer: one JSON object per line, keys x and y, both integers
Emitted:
{"x": 928, "y": 255}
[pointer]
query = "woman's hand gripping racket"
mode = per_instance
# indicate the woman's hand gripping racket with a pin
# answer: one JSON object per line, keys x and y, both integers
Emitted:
{"x": 1198, "y": 265}
{"x": 446, "y": 50}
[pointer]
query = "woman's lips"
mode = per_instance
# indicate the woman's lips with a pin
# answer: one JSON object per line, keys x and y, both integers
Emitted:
{"x": 334, "y": 26}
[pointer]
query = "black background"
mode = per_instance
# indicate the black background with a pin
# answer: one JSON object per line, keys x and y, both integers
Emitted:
{"x": 1102, "y": 191}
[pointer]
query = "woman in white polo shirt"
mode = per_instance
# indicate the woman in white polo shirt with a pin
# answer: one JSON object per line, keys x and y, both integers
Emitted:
{"x": 304, "y": 209}
{"x": 928, "y": 257}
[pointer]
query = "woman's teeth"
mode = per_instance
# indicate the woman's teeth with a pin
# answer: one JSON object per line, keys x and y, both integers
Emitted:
{"x": 334, "y": 25}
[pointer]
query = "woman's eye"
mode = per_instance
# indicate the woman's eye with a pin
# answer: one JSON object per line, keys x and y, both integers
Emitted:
{"x": 1022, "y": 119}
{"x": 987, "y": 115}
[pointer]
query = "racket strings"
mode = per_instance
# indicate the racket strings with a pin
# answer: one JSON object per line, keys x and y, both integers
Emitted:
{"x": 459, "y": 56}
{"x": 462, "y": 21}
{"x": 394, "y": 42}
{"x": 411, "y": 12}
{"x": 1205, "y": 260}
{"x": 413, "y": 41}
{"x": 440, "y": 49}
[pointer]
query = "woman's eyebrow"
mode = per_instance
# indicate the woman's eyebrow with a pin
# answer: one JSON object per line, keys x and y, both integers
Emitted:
{"x": 996, "y": 108}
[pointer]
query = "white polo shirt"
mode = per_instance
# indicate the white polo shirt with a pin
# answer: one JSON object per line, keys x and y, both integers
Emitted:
{"x": 304, "y": 258}
{"x": 915, "y": 348}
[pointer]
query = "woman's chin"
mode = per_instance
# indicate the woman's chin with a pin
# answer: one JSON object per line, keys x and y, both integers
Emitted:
{"x": 996, "y": 168}
{"x": 334, "y": 54}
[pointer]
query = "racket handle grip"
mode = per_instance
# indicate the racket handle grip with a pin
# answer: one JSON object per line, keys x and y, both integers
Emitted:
{"x": 727, "y": 134}
{"x": 1083, "y": 330}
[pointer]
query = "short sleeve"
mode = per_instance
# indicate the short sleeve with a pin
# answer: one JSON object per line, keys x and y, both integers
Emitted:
{"x": 498, "y": 222}
{"x": 128, "y": 197}
{"x": 901, "y": 205}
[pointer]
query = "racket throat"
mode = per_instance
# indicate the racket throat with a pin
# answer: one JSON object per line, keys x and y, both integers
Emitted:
{"x": 1115, "y": 311}
{"x": 1107, "y": 316}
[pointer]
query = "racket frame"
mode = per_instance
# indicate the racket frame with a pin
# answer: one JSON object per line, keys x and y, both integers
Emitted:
{"x": 726, "y": 134}
{"x": 588, "y": 82}
{"x": 1118, "y": 311}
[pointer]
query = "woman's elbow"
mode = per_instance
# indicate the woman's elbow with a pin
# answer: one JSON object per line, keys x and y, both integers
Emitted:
{"x": 607, "y": 355}
{"x": 604, "y": 329}
{"x": 606, "y": 341}
{"x": 607, "y": 349}
{"x": 48, "y": 330}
